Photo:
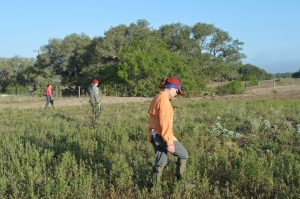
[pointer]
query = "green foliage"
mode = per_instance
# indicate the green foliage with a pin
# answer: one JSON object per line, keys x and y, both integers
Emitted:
{"x": 296, "y": 74}
{"x": 55, "y": 153}
{"x": 138, "y": 57}
{"x": 15, "y": 70}
{"x": 223, "y": 132}
{"x": 249, "y": 72}
{"x": 16, "y": 89}
{"x": 222, "y": 71}
{"x": 94, "y": 113}
{"x": 283, "y": 75}
{"x": 146, "y": 62}
{"x": 252, "y": 80}
{"x": 64, "y": 58}
{"x": 134, "y": 58}
{"x": 234, "y": 87}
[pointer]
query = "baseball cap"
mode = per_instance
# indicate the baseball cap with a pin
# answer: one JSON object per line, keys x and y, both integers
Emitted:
{"x": 95, "y": 81}
{"x": 173, "y": 82}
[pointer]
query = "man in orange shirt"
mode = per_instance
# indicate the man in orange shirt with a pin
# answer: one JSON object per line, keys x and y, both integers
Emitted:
{"x": 161, "y": 133}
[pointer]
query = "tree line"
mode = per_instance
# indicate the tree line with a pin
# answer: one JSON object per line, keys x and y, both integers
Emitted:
{"x": 134, "y": 56}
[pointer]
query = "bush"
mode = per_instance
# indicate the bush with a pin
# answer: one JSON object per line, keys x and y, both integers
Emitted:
{"x": 234, "y": 87}
{"x": 238, "y": 149}
{"x": 16, "y": 89}
{"x": 253, "y": 80}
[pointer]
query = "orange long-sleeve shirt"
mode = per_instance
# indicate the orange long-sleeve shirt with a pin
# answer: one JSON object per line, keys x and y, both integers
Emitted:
{"x": 161, "y": 117}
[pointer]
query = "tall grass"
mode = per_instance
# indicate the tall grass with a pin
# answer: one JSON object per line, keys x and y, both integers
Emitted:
{"x": 55, "y": 154}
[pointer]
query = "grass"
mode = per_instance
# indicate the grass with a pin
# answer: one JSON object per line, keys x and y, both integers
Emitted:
{"x": 56, "y": 154}
{"x": 263, "y": 83}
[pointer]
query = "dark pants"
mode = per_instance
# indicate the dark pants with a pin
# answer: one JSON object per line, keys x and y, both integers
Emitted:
{"x": 161, "y": 152}
{"x": 48, "y": 101}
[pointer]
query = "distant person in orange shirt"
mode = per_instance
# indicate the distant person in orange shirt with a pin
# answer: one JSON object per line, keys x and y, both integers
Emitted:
{"x": 161, "y": 133}
{"x": 48, "y": 93}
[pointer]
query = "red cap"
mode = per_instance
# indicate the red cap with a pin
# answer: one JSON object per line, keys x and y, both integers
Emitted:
{"x": 176, "y": 82}
{"x": 95, "y": 81}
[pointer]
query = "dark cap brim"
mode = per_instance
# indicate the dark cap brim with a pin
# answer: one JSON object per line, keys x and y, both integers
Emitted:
{"x": 180, "y": 92}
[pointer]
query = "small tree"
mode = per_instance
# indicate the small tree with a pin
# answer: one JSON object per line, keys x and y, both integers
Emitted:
{"x": 296, "y": 74}
{"x": 234, "y": 87}
{"x": 252, "y": 80}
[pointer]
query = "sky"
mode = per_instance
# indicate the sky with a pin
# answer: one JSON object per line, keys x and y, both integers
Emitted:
{"x": 270, "y": 29}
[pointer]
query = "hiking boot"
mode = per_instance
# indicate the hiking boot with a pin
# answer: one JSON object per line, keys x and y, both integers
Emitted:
{"x": 157, "y": 174}
{"x": 180, "y": 168}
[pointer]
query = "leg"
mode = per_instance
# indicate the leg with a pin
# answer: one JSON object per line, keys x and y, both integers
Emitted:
{"x": 98, "y": 109}
{"x": 182, "y": 154}
{"x": 47, "y": 101}
{"x": 157, "y": 174}
{"x": 161, "y": 157}
{"x": 180, "y": 168}
{"x": 160, "y": 149}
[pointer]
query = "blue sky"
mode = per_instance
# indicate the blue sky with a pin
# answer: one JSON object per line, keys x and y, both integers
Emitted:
{"x": 270, "y": 29}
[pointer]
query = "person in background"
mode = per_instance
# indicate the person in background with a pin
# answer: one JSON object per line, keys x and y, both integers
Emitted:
{"x": 95, "y": 97}
{"x": 48, "y": 93}
{"x": 161, "y": 133}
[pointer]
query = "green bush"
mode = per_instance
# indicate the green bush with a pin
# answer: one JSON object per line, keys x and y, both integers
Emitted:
{"x": 17, "y": 89}
{"x": 234, "y": 87}
{"x": 250, "y": 151}
{"x": 252, "y": 80}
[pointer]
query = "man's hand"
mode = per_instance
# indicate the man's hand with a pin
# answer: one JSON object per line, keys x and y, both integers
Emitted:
{"x": 171, "y": 148}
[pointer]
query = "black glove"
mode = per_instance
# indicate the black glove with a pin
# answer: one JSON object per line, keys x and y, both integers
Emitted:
{"x": 52, "y": 101}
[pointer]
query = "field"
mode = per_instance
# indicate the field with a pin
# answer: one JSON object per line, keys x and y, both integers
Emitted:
{"x": 244, "y": 146}
{"x": 264, "y": 83}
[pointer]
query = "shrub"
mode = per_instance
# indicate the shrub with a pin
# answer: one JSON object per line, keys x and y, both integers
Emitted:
{"x": 234, "y": 87}
{"x": 237, "y": 150}
{"x": 253, "y": 80}
{"x": 16, "y": 89}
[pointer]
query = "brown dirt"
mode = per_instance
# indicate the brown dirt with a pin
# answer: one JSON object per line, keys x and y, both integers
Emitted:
{"x": 62, "y": 102}
{"x": 291, "y": 91}
{"x": 281, "y": 92}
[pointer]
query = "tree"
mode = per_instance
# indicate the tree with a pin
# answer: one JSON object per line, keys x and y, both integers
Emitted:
{"x": 222, "y": 46}
{"x": 13, "y": 71}
{"x": 202, "y": 34}
{"x": 137, "y": 56}
{"x": 64, "y": 58}
{"x": 104, "y": 53}
{"x": 178, "y": 38}
{"x": 296, "y": 74}
{"x": 248, "y": 70}
{"x": 113, "y": 42}
{"x": 146, "y": 62}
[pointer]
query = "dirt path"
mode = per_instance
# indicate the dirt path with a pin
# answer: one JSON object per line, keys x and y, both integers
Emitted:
{"x": 62, "y": 102}
{"x": 291, "y": 91}
{"x": 281, "y": 92}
